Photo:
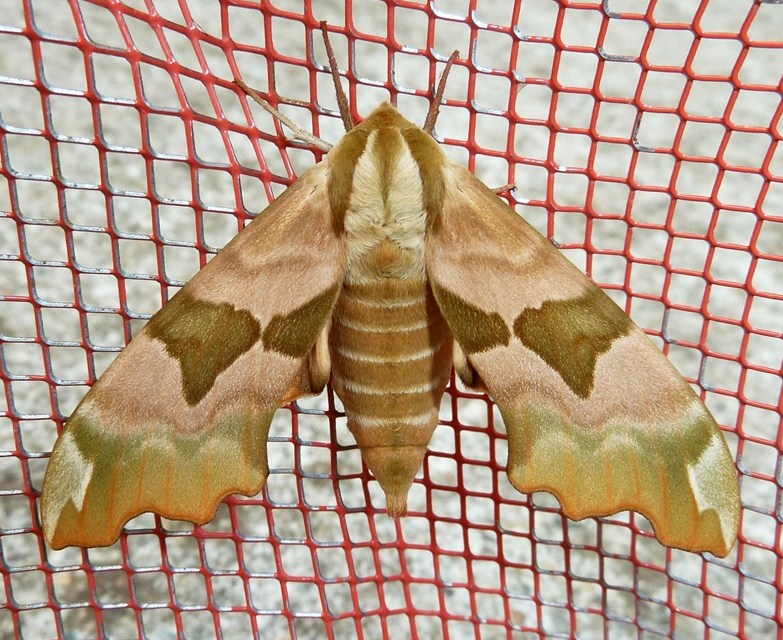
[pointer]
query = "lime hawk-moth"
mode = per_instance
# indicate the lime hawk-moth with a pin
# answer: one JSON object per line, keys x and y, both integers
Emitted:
{"x": 383, "y": 266}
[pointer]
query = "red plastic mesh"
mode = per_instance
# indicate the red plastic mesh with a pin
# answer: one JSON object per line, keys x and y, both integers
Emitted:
{"x": 643, "y": 137}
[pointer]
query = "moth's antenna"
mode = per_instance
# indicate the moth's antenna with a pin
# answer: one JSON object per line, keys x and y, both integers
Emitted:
{"x": 299, "y": 133}
{"x": 432, "y": 115}
{"x": 342, "y": 100}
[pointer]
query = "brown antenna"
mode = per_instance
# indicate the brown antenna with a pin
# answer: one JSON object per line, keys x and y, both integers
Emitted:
{"x": 342, "y": 100}
{"x": 432, "y": 115}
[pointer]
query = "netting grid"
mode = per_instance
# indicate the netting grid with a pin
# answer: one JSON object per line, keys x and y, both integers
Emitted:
{"x": 644, "y": 139}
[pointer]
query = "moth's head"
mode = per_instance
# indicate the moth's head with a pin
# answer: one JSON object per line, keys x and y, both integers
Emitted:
{"x": 381, "y": 127}
{"x": 385, "y": 116}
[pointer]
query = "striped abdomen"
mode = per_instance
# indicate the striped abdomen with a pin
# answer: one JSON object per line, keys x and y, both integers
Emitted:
{"x": 391, "y": 358}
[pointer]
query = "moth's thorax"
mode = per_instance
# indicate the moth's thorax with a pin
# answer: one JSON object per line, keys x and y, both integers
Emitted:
{"x": 383, "y": 175}
{"x": 385, "y": 219}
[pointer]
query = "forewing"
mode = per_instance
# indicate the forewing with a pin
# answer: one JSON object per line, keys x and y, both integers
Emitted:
{"x": 595, "y": 413}
{"x": 180, "y": 419}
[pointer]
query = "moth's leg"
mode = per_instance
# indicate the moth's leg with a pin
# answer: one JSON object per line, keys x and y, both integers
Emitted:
{"x": 505, "y": 188}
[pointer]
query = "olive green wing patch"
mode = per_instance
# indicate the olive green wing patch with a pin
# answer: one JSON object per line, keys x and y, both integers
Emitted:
{"x": 570, "y": 335}
{"x": 295, "y": 332}
{"x": 475, "y": 330}
{"x": 204, "y": 337}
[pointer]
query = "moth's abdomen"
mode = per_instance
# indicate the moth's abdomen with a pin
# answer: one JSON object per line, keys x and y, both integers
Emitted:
{"x": 391, "y": 358}
{"x": 390, "y": 348}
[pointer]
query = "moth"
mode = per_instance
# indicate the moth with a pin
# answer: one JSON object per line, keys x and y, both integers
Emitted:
{"x": 382, "y": 267}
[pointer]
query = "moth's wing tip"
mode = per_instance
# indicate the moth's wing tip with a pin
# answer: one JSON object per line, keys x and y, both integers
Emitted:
{"x": 87, "y": 504}
{"x": 713, "y": 530}
{"x": 63, "y": 535}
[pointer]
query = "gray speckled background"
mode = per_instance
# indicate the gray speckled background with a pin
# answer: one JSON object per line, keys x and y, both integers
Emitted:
{"x": 68, "y": 244}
